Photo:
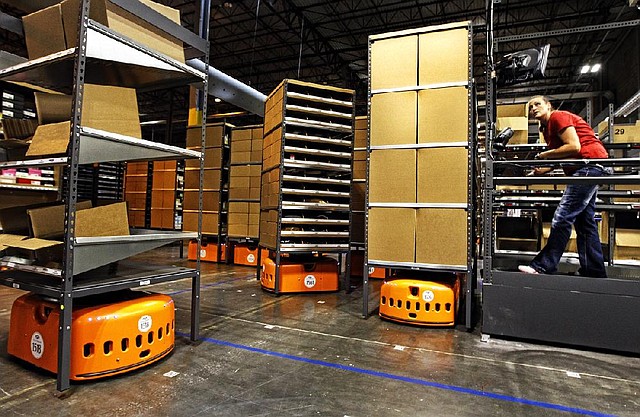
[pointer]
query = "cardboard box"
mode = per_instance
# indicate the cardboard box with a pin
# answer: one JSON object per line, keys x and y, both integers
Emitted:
{"x": 210, "y": 200}
{"x": 622, "y": 132}
{"x": 393, "y": 118}
{"x": 441, "y": 236}
{"x": 444, "y": 56}
{"x": 55, "y": 28}
{"x": 358, "y": 190}
{"x": 391, "y": 234}
{"x": 627, "y": 244}
{"x": 211, "y": 180}
{"x": 520, "y": 126}
{"x": 442, "y": 175}
{"x": 214, "y": 136}
{"x": 394, "y": 62}
{"x": 209, "y": 222}
{"x": 512, "y": 110}
{"x": 392, "y": 176}
{"x": 443, "y": 115}
{"x": 572, "y": 245}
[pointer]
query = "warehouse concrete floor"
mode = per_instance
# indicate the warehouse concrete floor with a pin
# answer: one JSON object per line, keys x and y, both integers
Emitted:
{"x": 313, "y": 354}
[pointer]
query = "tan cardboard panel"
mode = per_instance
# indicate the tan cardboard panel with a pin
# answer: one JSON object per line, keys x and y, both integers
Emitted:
{"x": 393, "y": 118}
{"x": 44, "y": 32}
{"x": 35, "y": 244}
{"x": 10, "y": 240}
{"x": 444, "y": 56}
{"x": 392, "y": 176}
{"x": 358, "y": 190}
{"x": 52, "y": 108}
{"x": 48, "y": 222}
{"x": 394, "y": 62}
{"x": 443, "y": 115}
{"x": 442, "y": 175}
{"x": 391, "y": 234}
{"x": 126, "y": 24}
{"x": 441, "y": 237}
{"x": 51, "y": 139}
{"x": 110, "y": 220}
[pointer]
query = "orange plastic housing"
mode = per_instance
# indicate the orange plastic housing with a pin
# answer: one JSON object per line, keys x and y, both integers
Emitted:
{"x": 420, "y": 302}
{"x": 208, "y": 252}
{"x": 319, "y": 275}
{"x": 247, "y": 255}
{"x": 106, "y": 339}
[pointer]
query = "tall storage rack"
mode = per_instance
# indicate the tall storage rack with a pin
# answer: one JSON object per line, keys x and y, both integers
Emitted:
{"x": 564, "y": 307}
{"x": 105, "y": 57}
{"x": 244, "y": 192}
{"x": 212, "y": 208}
{"x": 306, "y": 171}
{"x": 420, "y": 189}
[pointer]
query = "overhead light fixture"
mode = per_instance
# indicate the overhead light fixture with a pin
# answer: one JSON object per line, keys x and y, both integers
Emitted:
{"x": 595, "y": 67}
{"x": 217, "y": 100}
{"x": 585, "y": 69}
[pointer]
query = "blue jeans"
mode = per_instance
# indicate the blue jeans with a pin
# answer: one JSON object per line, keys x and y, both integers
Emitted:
{"x": 576, "y": 208}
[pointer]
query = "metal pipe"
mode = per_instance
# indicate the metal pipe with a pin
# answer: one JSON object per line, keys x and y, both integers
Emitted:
{"x": 231, "y": 90}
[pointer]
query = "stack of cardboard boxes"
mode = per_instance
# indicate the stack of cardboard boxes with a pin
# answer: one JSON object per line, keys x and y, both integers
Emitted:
{"x": 135, "y": 192}
{"x": 164, "y": 194}
{"x": 244, "y": 181}
{"x": 214, "y": 154}
{"x": 420, "y": 113}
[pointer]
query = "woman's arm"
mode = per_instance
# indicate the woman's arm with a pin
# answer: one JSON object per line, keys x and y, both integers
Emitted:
{"x": 570, "y": 145}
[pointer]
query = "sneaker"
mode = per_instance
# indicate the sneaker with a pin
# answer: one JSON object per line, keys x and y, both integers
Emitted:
{"x": 527, "y": 269}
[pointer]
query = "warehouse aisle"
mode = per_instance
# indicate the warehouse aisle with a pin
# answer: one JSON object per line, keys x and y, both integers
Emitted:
{"x": 312, "y": 354}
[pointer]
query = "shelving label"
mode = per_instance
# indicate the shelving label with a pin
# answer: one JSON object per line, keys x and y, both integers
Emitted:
{"x": 251, "y": 258}
{"x": 144, "y": 324}
{"x": 203, "y": 253}
{"x": 371, "y": 269}
{"x": 428, "y": 296}
{"x": 310, "y": 281}
{"x": 37, "y": 345}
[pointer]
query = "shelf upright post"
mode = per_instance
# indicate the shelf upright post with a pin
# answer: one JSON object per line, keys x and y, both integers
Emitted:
{"x": 490, "y": 109}
{"x": 71, "y": 196}
{"x": 471, "y": 189}
{"x": 365, "y": 265}
{"x": 205, "y": 6}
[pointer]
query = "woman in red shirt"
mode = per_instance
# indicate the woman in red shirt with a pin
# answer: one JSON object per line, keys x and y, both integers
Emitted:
{"x": 568, "y": 136}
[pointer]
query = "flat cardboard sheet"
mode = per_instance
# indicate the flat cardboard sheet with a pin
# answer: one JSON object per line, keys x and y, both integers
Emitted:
{"x": 108, "y": 220}
{"x": 444, "y": 56}
{"x": 393, "y": 118}
{"x": 391, "y": 234}
{"x": 443, "y": 175}
{"x": 443, "y": 115}
{"x": 392, "y": 176}
{"x": 48, "y": 222}
{"x": 441, "y": 237}
{"x": 394, "y": 62}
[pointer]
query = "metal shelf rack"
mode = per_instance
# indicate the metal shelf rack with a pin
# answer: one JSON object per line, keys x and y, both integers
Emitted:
{"x": 445, "y": 140}
{"x": 308, "y": 143}
{"x": 105, "y": 57}
{"x": 564, "y": 307}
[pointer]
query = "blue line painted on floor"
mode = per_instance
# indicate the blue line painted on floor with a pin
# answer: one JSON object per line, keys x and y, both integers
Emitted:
{"x": 215, "y": 284}
{"x": 416, "y": 381}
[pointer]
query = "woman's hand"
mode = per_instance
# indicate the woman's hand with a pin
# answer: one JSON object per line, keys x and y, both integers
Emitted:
{"x": 539, "y": 171}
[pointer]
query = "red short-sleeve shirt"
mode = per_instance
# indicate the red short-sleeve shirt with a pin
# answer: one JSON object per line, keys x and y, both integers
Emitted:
{"x": 590, "y": 145}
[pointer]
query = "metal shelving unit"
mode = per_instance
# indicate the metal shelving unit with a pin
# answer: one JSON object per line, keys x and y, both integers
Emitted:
{"x": 564, "y": 307}
{"x": 311, "y": 137}
{"x": 466, "y": 142}
{"x": 105, "y": 57}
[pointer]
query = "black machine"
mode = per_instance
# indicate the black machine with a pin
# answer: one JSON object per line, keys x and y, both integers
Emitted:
{"x": 521, "y": 66}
